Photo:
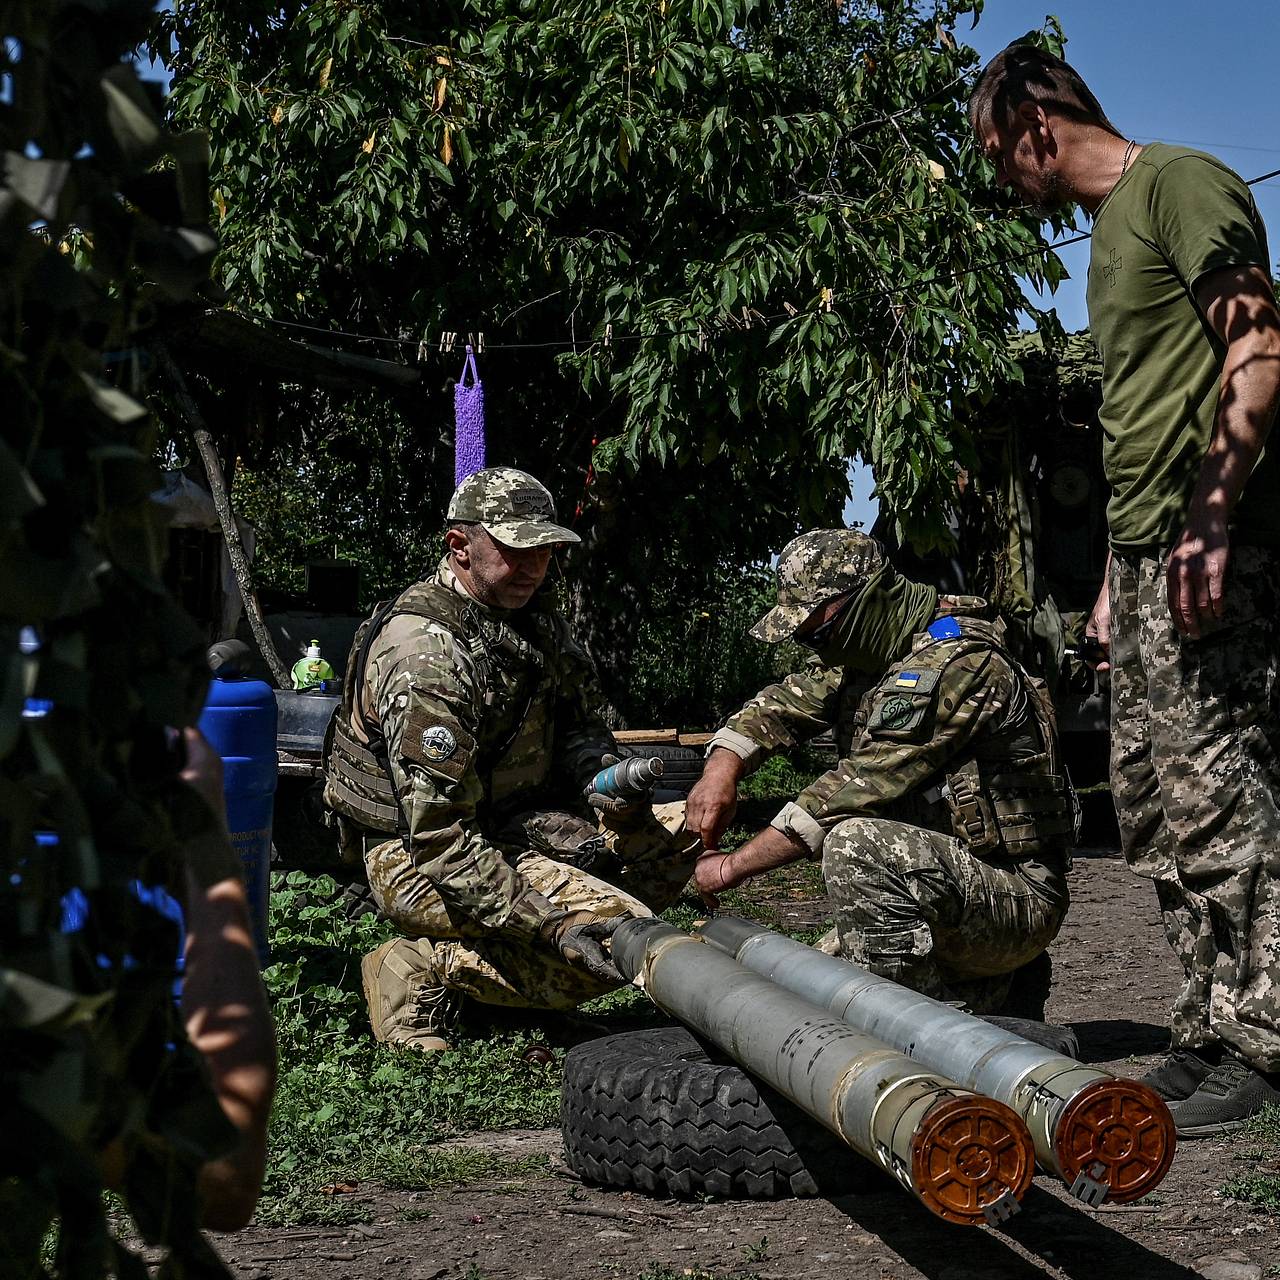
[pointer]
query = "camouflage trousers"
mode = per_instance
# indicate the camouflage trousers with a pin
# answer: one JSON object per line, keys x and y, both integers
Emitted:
{"x": 655, "y": 857}
{"x": 1195, "y": 775}
{"x": 916, "y": 906}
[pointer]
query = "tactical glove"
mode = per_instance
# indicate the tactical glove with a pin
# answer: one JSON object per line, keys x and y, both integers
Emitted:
{"x": 614, "y": 807}
{"x": 580, "y": 936}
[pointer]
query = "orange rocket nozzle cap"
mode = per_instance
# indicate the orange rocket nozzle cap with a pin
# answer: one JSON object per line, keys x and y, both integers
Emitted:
{"x": 972, "y": 1159}
{"x": 1114, "y": 1141}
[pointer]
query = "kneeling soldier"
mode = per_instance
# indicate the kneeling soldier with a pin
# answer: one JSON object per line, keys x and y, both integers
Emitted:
{"x": 468, "y": 731}
{"x": 944, "y": 830}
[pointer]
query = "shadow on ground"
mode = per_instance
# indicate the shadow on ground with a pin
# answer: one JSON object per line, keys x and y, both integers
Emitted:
{"x": 1047, "y": 1234}
{"x": 1112, "y": 1038}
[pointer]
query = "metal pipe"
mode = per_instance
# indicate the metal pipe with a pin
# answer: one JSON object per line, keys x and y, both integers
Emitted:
{"x": 968, "y": 1158}
{"x": 1106, "y": 1137}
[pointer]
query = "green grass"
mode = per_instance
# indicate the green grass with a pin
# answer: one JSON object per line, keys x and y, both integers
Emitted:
{"x": 1258, "y": 1145}
{"x": 350, "y": 1111}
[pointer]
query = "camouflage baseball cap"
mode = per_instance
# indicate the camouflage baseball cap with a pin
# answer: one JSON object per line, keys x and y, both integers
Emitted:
{"x": 815, "y": 567}
{"x": 511, "y": 506}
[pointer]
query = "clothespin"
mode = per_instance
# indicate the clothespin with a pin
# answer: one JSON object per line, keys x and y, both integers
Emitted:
{"x": 702, "y": 338}
{"x": 422, "y": 348}
{"x": 789, "y": 309}
{"x": 608, "y": 335}
{"x": 448, "y": 340}
{"x": 828, "y": 297}
{"x": 476, "y": 342}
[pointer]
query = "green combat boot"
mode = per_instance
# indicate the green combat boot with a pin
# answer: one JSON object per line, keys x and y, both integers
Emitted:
{"x": 408, "y": 1003}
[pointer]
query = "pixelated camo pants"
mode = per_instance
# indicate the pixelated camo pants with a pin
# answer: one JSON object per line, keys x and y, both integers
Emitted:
{"x": 916, "y": 906}
{"x": 1195, "y": 774}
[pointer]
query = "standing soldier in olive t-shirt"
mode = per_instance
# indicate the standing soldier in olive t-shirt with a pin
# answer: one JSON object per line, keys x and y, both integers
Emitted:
{"x": 1182, "y": 309}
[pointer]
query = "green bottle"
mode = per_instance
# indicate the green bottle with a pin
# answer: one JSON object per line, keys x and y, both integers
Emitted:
{"x": 312, "y": 671}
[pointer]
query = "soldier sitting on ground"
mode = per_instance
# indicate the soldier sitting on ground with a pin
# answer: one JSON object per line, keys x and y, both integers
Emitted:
{"x": 944, "y": 829}
{"x": 468, "y": 731}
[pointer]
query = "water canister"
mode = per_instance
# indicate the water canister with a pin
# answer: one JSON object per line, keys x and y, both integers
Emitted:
{"x": 239, "y": 719}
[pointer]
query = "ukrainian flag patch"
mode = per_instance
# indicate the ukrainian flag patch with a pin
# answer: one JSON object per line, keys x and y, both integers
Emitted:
{"x": 907, "y": 680}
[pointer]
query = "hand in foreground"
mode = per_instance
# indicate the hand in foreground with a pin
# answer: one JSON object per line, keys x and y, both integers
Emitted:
{"x": 580, "y": 937}
{"x": 209, "y": 855}
{"x": 616, "y": 806}
{"x": 1196, "y": 578}
{"x": 714, "y": 799}
{"x": 202, "y": 772}
{"x": 1099, "y": 626}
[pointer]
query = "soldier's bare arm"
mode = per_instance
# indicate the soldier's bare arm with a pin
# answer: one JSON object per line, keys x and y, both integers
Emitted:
{"x": 1239, "y": 304}
{"x": 224, "y": 1004}
{"x": 715, "y": 872}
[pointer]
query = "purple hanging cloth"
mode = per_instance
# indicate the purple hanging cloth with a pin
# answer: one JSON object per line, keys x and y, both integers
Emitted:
{"x": 468, "y": 422}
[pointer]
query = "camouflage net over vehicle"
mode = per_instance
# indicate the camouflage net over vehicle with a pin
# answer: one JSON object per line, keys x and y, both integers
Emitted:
{"x": 102, "y": 221}
{"x": 1033, "y": 437}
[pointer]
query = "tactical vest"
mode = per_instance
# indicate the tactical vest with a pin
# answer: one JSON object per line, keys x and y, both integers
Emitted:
{"x": 515, "y": 683}
{"x": 1010, "y": 794}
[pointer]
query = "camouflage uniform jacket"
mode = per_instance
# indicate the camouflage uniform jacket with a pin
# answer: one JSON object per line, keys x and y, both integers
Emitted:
{"x": 957, "y": 705}
{"x": 480, "y": 712}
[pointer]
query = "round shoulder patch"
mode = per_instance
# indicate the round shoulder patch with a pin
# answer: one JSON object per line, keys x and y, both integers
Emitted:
{"x": 896, "y": 713}
{"x": 438, "y": 742}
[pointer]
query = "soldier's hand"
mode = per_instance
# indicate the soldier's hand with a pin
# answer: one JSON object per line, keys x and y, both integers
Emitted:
{"x": 713, "y": 802}
{"x": 1099, "y": 626}
{"x": 201, "y": 824}
{"x": 580, "y": 937}
{"x": 1196, "y": 578}
{"x": 613, "y": 807}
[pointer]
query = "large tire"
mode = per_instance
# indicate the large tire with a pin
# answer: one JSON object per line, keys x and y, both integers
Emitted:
{"x": 650, "y": 1110}
{"x": 681, "y": 766}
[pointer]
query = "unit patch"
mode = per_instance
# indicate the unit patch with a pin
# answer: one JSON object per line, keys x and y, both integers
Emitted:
{"x": 895, "y": 713}
{"x": 441, "y": 745}
{"x": 903, "y": 706}
{"x": 438, "y": 743}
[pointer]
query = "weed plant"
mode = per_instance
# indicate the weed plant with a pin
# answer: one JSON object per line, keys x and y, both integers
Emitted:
{"x": 1258, "y": 1145}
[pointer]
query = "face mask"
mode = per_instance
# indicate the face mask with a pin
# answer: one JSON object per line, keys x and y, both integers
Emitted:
{"x": 874, "y": 630}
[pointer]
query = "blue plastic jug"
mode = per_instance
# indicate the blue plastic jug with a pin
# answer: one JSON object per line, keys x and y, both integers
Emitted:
{"x": 239, "y": 719}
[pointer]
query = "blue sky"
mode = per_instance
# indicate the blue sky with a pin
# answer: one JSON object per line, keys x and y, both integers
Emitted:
{"x": 1178, "y": 71}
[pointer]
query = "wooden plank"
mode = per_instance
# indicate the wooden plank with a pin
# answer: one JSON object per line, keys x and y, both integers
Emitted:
{"x": 640, "y": 737}
{"x": 661, "y": 738}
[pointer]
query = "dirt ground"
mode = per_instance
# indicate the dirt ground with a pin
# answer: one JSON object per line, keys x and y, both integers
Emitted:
{"x": 1114, "y": 977}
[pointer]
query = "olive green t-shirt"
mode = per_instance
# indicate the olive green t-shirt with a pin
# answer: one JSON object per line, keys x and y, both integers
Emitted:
{"x": 1175, "y": 215}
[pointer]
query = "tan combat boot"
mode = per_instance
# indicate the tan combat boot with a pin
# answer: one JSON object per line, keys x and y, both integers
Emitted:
{"x": 408, "y": 1003}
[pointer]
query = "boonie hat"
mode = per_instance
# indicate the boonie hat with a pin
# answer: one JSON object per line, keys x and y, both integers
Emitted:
{"x": 511, "y": 506}
{"x": 813, "y": 568}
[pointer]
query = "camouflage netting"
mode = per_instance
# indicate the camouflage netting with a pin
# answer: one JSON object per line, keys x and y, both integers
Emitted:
{"x": 1021, "y": 434}
{"x": 95, "y": 659}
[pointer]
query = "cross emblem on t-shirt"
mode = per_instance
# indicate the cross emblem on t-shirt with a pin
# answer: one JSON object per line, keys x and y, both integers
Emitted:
{"x": 1111, "y": 267}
